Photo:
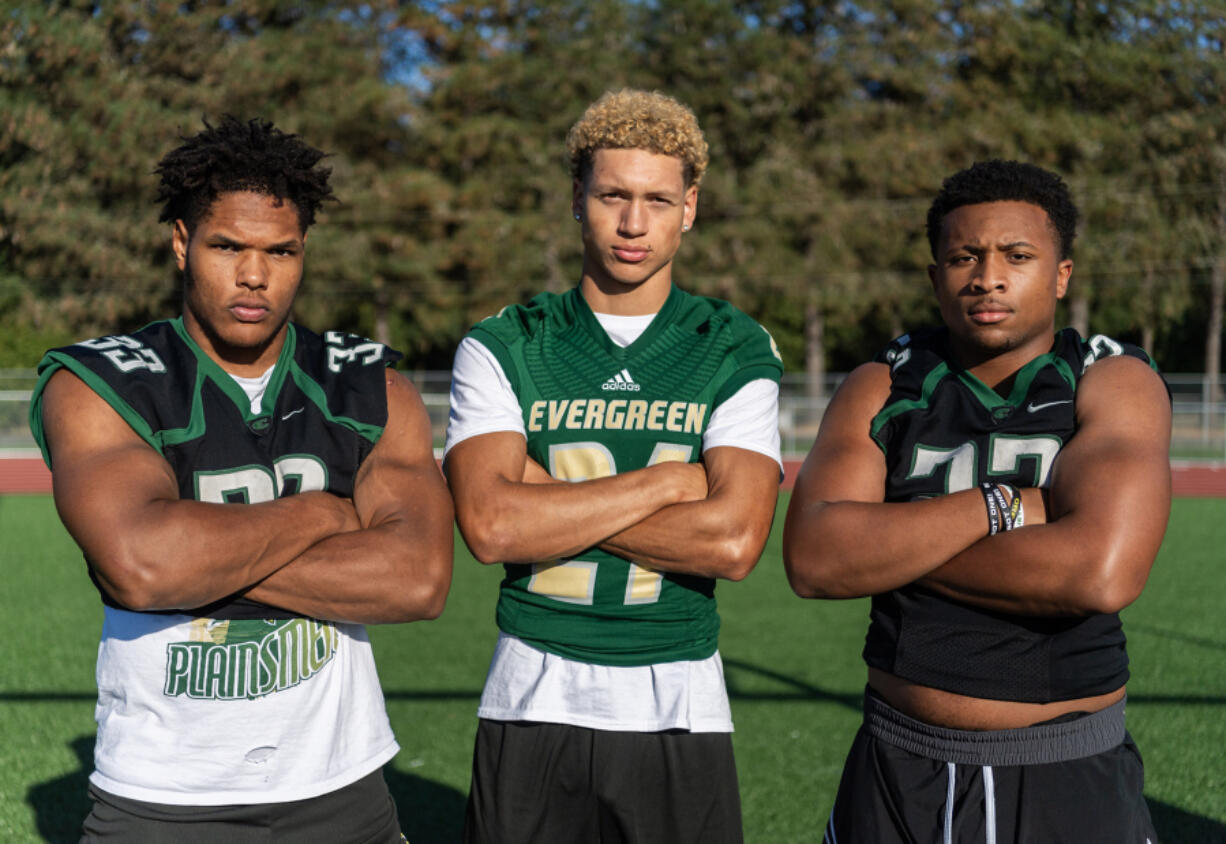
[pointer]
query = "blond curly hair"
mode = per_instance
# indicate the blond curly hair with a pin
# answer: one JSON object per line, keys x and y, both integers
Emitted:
{"x": 631, "y": 119}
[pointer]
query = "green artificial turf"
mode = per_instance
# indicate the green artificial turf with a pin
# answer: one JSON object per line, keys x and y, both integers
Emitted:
{"x": 793, "y": 669}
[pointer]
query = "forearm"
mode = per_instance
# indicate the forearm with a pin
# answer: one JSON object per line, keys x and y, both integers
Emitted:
{"x": 710, "y": 538}
{"x": 518, "y": 522}
{"x": 850, "y": 549}
{"x": 386, "y": 574}
{"x": 1095, "y": 557}
{"x": 176, "y": 554}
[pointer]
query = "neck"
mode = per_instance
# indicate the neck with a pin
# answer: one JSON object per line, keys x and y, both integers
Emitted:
{"x": 996, "y": 369}
{"x": 243, "y": 361}
{"x": 606, "y": 296}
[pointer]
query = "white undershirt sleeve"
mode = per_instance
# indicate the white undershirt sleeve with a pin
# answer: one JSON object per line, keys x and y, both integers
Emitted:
{"x": 748, "y": 419}
{"x": 482, "y": 399}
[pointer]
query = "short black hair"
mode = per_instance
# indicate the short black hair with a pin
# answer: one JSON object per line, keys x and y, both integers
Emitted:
{"x": 241, "y": 156}
{"x": 1003, "y": 181}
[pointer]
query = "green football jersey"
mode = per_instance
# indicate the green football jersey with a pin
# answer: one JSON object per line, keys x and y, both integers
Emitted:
{"x": 592, "y": 409}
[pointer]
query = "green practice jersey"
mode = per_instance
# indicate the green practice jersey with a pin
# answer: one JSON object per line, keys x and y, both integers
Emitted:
{"x": 592, "y": 409}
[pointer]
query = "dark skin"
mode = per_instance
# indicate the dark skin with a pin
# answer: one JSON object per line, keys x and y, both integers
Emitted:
{"x": 997, "y": 276}
{"x": 383, "y": 556}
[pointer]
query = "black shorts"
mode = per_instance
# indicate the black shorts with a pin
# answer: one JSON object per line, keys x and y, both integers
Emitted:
{"x": 561, "y": 784}
{"x": 359, "y": 813}
{"x": 1076, "y": 779}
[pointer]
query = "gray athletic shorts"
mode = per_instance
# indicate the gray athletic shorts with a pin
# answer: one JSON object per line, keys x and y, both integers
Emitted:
{"x": 1075, "y": 779}
{"x": 535, "y": 783}
{"x": 359, "y": 813}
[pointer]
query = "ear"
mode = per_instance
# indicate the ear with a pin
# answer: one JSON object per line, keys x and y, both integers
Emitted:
{"x": 932, "y": 276}
{"x": 1064, "y": 270}
{"x": 179, "y": 239}
{"x": 691, "y": 206}
{"x": 576, "y": 199}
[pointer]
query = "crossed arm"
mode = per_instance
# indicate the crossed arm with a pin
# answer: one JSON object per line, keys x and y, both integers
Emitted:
{"x": 385, "y": 556}
{"x": 678, "y": 517}
{"x": 1088, "y": 548}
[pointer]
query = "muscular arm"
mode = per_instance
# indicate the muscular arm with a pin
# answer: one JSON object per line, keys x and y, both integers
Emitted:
{"x": 721, "y": 535}
{"x": 397, "y": 567}
{"x": 841, "y": 539}
{"x": 1110, "y": 499}
{"x": 150, "y": 549}
{"x": 505, "y": 519}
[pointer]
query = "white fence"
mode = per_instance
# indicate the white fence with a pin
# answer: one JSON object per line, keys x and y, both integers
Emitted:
{"x": 1199, "y": 424}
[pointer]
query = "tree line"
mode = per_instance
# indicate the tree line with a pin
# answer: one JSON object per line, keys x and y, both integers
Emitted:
{"x": 831, "y": 124}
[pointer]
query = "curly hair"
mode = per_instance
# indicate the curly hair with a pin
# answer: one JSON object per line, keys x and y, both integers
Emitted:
{"x": 1002, "y": 181}
{"x": 240, "y": 156}
{"x": 631, "y": 119}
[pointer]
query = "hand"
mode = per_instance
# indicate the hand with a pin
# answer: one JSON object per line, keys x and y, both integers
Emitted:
{"x": 334, "y": 507}
{"x": 535, "y": 473}
{"x": 690, "y": 478}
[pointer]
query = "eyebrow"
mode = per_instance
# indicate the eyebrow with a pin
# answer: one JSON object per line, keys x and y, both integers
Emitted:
{"x": 1004, "y": 247}
{"x": 222, "y": 240}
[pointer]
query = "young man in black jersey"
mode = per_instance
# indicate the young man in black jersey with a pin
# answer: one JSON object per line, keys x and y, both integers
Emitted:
{"x": 1016, "y": 486}
{"x": 248, "y": 494}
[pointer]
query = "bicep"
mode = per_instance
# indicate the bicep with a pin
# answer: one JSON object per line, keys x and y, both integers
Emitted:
{"x": 1117, "y": 465}
{"x": 845, "y": 464}
{"x": 400, "y": 473}
{"x": 103, "y": 473}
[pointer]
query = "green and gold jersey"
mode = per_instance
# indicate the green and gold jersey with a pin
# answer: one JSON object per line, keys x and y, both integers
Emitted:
{"x": 592, "y": 409}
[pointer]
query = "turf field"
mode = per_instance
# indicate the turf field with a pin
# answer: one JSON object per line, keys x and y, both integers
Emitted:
{"x": 793, "y": 670}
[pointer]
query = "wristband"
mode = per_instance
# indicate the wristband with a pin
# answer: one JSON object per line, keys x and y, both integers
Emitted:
{"x": 1003, "y": 514}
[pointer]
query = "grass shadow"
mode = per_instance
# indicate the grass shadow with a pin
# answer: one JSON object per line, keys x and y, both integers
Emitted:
{"x": 1175, "y": 826}
{"x": 60, "y": 805}
{"x": 430, "y": 813}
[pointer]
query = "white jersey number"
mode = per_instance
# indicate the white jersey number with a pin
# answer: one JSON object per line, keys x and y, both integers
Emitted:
{"x": 1005, "y": 455}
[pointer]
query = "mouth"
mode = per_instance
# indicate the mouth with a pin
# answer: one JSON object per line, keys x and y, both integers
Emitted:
{"x": 248, "y": 311}
{"x": 631, "y": 254}
{"x": 989, "y": 313}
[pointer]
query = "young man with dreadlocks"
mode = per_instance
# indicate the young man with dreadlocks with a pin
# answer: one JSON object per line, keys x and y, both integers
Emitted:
{"x": 616, "y": 447}
{"x": 1013, "y": 484}
{"x": 247, "y": 494}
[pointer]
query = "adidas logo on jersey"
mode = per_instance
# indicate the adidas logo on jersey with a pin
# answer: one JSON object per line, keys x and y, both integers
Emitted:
{"x": 621, "y": 381}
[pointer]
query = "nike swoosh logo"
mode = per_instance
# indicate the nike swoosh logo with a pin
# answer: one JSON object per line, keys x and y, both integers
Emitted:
{"x": 292, "y": 413}
{"x": 1035, "y": 408}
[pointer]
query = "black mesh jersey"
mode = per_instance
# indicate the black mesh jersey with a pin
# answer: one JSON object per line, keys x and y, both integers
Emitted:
{"x": 943, "y": 430}
{"x": 322, "y": 412}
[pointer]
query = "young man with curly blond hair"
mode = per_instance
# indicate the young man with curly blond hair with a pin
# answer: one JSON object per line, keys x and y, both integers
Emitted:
{"x": 616, "y": 447}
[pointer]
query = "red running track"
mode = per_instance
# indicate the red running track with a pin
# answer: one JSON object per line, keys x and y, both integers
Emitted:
{"x": 28, "y": 474}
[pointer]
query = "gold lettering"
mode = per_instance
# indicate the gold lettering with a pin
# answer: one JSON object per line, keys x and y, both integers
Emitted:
{"x": 595, "y": 414}
{"x": 655, "y": 418}
{"x": 557, "y": 410}
{"x": 694, "y": 414}
{"x": 535, "y": 414}
{"x": 636, "y": 415}
{"x": 676, "y": 410}
{"x": 574, "y": 419}
{"x": 616, "y": 416}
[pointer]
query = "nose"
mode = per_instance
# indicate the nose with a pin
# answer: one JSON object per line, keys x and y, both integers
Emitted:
{"x": 252, "y": 269}
{"x": 633, "y": 221}
{"x": 990, "y": 272}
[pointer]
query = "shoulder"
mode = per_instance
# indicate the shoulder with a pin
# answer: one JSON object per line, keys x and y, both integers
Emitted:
{"x": 1083, "y": 352}
{"x": 340, "y": 353}
{"x": 910, "y": 360}
{"x": 745, "y": 340}
{"x": 520, "y": 322}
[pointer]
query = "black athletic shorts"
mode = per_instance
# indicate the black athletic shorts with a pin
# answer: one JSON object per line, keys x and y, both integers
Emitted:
{"x": 360, "y": 813}
{"x": 554, "y": 783}
{"x": 1074, "y": 780}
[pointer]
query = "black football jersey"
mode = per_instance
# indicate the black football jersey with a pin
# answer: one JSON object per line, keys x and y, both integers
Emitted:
{"x": 322, "y": 412}
{"x": 943, "y": 430}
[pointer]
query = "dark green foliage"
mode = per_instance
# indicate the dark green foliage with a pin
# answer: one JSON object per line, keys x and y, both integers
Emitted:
{"x": 831, "y": 126}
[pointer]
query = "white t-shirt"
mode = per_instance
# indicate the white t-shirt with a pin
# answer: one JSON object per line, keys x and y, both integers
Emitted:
{"x": 527, "y": 684}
